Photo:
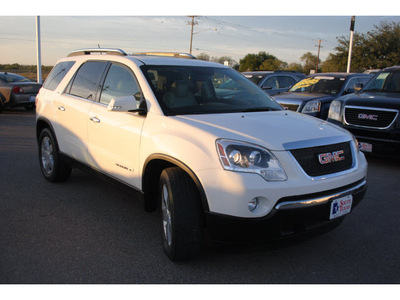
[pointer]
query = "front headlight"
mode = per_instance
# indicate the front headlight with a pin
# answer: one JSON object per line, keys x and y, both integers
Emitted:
{"x": 356, "y": 144}
{"x": 311, "y": 107}
{"x": 335, "y": 110}
{"x": 244, "y": 157}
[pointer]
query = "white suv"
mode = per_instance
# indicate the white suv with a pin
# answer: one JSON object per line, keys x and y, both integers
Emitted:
{"x": 230, "y": 160}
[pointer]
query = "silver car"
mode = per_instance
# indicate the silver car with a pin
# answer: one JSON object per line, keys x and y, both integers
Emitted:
{"x": 17, "y": 91}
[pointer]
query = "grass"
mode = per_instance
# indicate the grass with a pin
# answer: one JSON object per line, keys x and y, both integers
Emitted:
{"x": 33, "y": 75}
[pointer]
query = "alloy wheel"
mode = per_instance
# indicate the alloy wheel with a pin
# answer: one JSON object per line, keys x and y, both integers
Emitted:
{"x": 166, "y": 215}
{"x": 47, "y": 155}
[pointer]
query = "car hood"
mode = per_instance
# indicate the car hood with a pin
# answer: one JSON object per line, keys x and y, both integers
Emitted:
{"x": 276, "y": 130}
{"x": 369, "y": 99}
{"x": 301, "y": 97}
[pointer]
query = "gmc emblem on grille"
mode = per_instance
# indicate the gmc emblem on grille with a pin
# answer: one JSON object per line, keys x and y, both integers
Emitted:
{"x": 326, "y": 158}
{"x": 368, "y": 117}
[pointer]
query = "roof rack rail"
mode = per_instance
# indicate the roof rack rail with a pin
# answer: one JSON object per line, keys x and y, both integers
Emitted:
{"x": 286, "y": 71}
{"x": 108, "y": 51}
{"x": 170, "y": 54}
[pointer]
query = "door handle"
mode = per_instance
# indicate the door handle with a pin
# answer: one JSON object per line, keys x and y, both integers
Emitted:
{"x": 62, "y": 108}
{"x": 95, "y": 119}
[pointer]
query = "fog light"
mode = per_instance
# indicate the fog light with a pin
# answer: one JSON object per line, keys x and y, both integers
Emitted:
{"x": 253, "y": 203}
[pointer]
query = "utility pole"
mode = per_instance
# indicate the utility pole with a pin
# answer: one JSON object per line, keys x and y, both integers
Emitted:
{"x": 319, "y": 47}
{"x": 39, "y": 54}
{"x": 352, "y": 22}
{"x": 192, "y": 23}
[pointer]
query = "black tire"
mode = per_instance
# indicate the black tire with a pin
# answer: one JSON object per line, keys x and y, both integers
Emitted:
{"x": 51, "y": 164}
{"x": 181, "y": 215}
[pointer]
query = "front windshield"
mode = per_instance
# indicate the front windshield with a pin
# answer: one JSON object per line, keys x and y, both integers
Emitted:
{"x": 319, "y": 85}
{"x": 182, "y": 90}
{"x": 384, "y": 82}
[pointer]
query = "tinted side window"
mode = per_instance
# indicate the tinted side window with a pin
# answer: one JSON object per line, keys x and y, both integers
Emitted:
{"x": 86, "y": 80}
{"x": 119, "y": 82}
{"x": 57, "y": 74}
{"x": 364, "y": 80}
{"x": 286, "y": 81}
{"x": 271, "y": 82}
{"x": 350, "y": 85}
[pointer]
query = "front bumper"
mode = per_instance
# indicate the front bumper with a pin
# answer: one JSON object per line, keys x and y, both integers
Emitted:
{"x": 381, "y": 147}
{"x": 289, "y": 217}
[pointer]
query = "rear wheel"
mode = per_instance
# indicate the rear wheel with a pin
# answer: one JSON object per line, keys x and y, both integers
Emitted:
{"x": 182, "y": 217}
{"x": 51, "y": 164}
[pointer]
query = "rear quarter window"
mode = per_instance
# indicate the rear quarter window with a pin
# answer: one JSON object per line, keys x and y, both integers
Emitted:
{"x": 57, "y": 74}
{"x": 86, "y": 81}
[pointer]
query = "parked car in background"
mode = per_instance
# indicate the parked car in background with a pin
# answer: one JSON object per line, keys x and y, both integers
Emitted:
{"x": 274, "y": 82}
{"x": 17, "y": 91}
{"x": 314, "y": 94}
{"x": 372, "y": 114}
{"x": 371, "y": 71}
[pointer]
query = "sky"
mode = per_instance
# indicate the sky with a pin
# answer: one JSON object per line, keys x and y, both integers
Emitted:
{"x": 219, "y": 31}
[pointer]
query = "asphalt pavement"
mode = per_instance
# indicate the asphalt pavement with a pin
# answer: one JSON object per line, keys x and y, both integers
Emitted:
{"x": 87, "y": 230}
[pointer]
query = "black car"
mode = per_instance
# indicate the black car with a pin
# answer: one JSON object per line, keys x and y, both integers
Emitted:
{"x": 372, "y": 114}
{"x": 314, "y": 94}
{"x": 274, "y": 82}
{"x": 17, "y": 91}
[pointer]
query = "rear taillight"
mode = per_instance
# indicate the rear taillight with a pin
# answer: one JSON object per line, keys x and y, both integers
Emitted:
{"x": 18, "y": 89}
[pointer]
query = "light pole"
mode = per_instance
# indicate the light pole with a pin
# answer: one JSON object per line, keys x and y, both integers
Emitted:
{"x": 353, "y": 20}
{"x": 38, "y": 47}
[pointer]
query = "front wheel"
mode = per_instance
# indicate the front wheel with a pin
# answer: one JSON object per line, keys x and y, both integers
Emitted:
{"x": 51, "y": 164}
{"x": 182, "y": 217}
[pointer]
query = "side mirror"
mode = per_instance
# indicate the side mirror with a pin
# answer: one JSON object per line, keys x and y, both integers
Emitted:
{"x": 358, "y": 87}
{"x": 126, "y": 104}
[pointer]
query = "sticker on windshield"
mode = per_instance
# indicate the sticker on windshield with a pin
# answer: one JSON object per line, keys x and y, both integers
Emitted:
{"x": 305, "y": 83}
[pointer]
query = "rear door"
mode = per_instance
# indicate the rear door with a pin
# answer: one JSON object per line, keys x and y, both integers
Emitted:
{"x": 73, "y": 110}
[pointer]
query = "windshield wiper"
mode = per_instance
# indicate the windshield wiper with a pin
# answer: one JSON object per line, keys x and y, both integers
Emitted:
{"x": 375, "y": 90}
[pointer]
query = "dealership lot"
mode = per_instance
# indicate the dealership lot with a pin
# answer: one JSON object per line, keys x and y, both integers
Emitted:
{"x": 87, "y": 230}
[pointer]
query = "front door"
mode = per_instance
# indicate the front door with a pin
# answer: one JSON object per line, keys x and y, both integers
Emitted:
{"x": 114, "y": 137}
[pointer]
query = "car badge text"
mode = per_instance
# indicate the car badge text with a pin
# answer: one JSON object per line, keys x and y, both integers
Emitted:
{"x": 368, "y": 117}
{"x": 326, "y": 158}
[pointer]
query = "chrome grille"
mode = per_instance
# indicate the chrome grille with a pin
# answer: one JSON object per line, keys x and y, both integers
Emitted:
{"x": 369, "y": 117}
{"x": 309, "y": 159}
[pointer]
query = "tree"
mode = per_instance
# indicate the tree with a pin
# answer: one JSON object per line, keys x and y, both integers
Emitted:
{"x": 382, "y": 46}
{"x": 203, "y": 56}
{"x": 273, "y": 64}
{"x": 223, "y": 59}
{"x": 331, "y": 65}
{"x": 338, "y": 62}
{"x": 309, "y": 62}
{"x": 375, "y": 50}
{"x": 254, "y": 62}
{"x": 295, "y": 67}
